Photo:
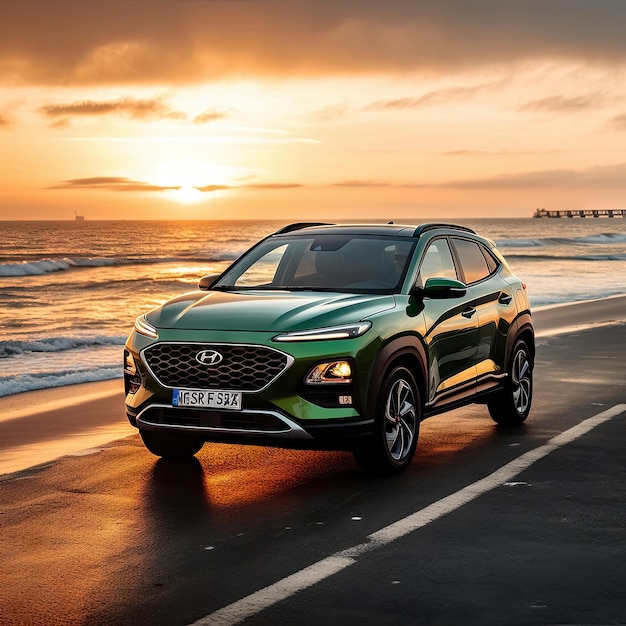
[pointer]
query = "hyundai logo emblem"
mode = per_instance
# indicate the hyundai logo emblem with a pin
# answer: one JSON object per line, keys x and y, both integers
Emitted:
{"x": 209, "y": 357}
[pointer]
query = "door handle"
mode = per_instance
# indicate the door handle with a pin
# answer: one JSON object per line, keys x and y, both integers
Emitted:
{"x": 469, "y": 312}
{"x": 505, "y": 298}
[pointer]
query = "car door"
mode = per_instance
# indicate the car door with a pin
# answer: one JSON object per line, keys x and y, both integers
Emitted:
{"x": 494, "y": 303}
{"x": 451, "y": 327}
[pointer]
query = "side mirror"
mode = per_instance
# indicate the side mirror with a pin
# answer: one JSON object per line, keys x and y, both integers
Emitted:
{"x": 206, "y": 282}
{"x": 439, "y": 287}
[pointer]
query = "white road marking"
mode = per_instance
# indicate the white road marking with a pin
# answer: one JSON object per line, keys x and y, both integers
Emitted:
{"x": 256, "y": 602}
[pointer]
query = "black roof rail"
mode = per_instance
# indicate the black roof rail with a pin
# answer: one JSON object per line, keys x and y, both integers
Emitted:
{"x": 299, "y": 225}
{"x": 422, "y": 228}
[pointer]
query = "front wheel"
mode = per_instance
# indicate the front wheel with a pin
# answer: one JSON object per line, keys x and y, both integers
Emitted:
{"x": 391, "y": 446}
{"x": 511, "y": 406}
{"x": 171, "y": 445}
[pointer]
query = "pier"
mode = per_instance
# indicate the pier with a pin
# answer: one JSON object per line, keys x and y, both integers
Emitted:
{"x": 581, "y": 213}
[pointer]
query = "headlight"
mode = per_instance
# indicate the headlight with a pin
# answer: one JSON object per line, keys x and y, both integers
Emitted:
{"x": 143, "y": 326}
{"x": 330, "y": 372}
{"x": 332, "y": 332}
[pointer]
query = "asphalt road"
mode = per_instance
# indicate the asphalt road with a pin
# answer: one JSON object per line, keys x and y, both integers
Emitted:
{"x": 119, "y": 537}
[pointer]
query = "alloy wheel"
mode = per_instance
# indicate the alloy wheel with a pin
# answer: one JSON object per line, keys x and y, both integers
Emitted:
{"x": 400, "y": 419}
{"x": 522, "y": 382}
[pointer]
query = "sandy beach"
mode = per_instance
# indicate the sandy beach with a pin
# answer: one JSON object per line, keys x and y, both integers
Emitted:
{"x": 39, "y": 426}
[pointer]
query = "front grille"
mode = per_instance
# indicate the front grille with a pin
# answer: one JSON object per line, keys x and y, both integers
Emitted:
{"x": 242, "y": 368}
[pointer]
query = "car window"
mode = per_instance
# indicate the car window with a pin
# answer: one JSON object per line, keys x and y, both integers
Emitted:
{"x": 473, "y": 261}
{"x": 437, "y": 261}
{"x": 491, "y": 262}
{"x": 264, "y": 270}
{"x": 354, "y": 264}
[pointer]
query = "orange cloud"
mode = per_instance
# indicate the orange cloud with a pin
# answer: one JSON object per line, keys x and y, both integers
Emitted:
{"x": 188, "y": 42}
{"x": 596, "y": 177}
{"x": 592, "y": 178}
{"x": 110, "y": 183}
{"x": 273, "y": 185}
{"x": 561, "y": 104}
{"x": 210, "y": 115}
{"x": 619, "y": 122}
{"x": 433, "y": 98}
{"x": 135, "y": 109}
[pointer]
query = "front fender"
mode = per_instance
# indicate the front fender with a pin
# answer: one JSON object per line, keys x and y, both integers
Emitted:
{"x": 408, "y": 350}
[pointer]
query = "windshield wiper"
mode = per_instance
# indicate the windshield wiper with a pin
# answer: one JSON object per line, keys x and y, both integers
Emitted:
{"x": 271, "y": 288}
{"x": 305, "y": 288}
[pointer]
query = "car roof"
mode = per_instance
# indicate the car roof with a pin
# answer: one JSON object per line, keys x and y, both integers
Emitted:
{"x": 390, "y": 229}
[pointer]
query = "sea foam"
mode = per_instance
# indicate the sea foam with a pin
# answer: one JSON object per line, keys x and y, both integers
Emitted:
{"x": 56, "y": 344}
{"x": 46, "y": 266}
{"x": 10, "y": 385}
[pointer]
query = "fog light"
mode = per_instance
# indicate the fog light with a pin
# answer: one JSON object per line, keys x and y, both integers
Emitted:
{"x": 132, "y": 379}
{"x": 129, "y": 363}
{"x": 333, "y": 372}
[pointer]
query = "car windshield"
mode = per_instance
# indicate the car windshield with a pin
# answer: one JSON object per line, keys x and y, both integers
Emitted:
{"x": 345, "y": 263}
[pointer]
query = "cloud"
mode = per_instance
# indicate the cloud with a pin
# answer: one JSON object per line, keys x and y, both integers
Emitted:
{"x": 110, "y": 183}
{"x": 129, "y": 107}
{"x": 597, "y": 177}
{"x": 4, "y": 121}
{"x": 360, "y": 183}
{"x": 433, "y": 98}
{"x": 209, "y": 188}
{"x": 120, "y": 183}
{"x": 210, "y": 115}
{"x": 273, "y": 185}
{"x": 467, "y": 152}
{"x": 471, "y": 153}
{"x": 561, "y": 104}
{"x": 329, "y": 114}
{"x": 618, "y": 122}
{"x": 190, "y": 41}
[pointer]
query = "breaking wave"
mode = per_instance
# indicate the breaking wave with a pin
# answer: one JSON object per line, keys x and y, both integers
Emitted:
{"x": 47, "y": 266}
{"x": 10, "y": 385}
{"x": 600, "y": 239}
{"x": 56, "y": 344}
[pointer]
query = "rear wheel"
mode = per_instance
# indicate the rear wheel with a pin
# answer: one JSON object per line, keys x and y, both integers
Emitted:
{"x": 171, "y": 445}
{"x": 511, "y": 406}
{"x": 391, "y": 446}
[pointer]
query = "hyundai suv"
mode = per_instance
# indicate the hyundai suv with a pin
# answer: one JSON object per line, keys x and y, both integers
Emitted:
{"x": 330, "y": 336}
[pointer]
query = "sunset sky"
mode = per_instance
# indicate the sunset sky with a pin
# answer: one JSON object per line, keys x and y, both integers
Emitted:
{"x": 310, "y": 109}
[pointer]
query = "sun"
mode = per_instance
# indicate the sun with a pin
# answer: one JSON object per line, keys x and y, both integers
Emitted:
{"x": 183, "y": 179}
{"x": 186, "y": 195}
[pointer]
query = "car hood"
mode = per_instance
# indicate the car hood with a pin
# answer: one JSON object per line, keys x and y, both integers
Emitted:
{"x": 270, "y": 312}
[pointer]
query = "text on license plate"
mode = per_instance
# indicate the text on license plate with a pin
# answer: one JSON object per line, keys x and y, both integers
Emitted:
{"x": 212, "y": 399}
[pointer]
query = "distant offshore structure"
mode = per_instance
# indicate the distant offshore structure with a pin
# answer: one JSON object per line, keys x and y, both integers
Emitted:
{"x": 581, "y": 213}
{"x": 79, "y": 218}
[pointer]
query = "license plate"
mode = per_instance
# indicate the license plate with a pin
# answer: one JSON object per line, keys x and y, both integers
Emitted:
{"x": 209, "y": 399}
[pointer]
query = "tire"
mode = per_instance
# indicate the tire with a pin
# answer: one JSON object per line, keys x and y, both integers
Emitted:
{"x": 391, "y": 446}
{"x": 511, "y": 406}
{"x": 171, "y": 446}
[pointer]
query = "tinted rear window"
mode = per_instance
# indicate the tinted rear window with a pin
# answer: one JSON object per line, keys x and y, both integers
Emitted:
{"x": 472, "y": 259}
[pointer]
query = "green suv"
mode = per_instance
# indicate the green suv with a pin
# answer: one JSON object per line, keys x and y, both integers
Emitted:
{"x": 334, "y": 337}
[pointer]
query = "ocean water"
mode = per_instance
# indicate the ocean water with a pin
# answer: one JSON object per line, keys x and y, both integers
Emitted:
{"x": 70, "y": 291}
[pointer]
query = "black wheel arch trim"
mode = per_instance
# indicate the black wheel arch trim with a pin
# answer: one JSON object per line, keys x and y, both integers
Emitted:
{"x": 397, "y": 349}
{"x": 521, "y": 327}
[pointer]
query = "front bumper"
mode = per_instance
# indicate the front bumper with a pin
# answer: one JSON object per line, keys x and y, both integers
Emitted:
{"x": 285, "y": 412}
